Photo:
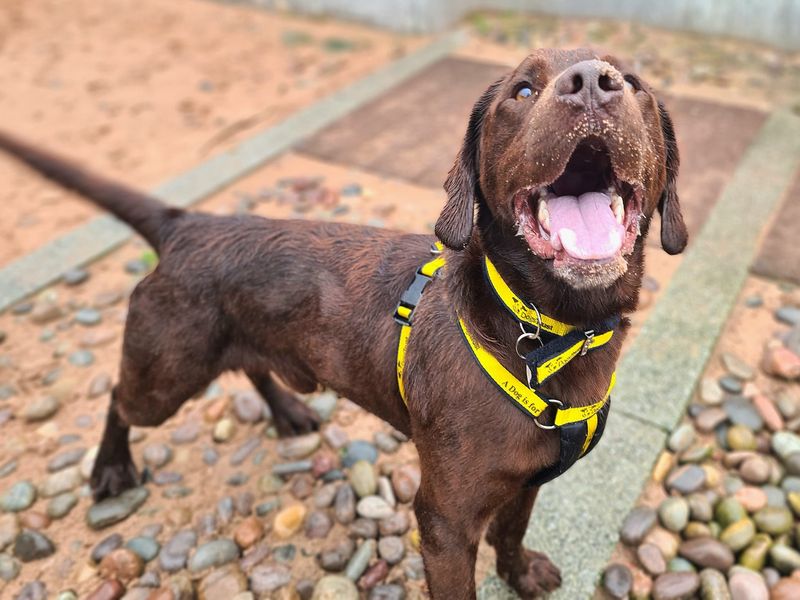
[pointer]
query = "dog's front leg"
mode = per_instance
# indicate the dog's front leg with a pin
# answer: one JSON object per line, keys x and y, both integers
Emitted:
{"x": 529, "y": 573}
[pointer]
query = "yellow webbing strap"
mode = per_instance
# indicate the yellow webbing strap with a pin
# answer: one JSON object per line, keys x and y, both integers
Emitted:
{"x": 582, "y": 413}
{"x": 591, "y": 427}
{"x": 429, "y": 269}
{"x": 520, "y": 309}
{"x": 548, "y": 368}
{"x": 515, "y": 389}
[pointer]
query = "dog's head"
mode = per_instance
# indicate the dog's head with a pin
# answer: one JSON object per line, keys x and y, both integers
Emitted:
{"x": 567, "y": 156}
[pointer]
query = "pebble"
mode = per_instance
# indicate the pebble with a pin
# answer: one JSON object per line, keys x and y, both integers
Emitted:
{"x": 676, "y": 586}
{"x": 786, "y": 589}
{"x": 784, "y": 558}
{"x": 122, "y": 564}
{"x": 617, "y": 581}
{"x": 728, "y": 511}
{"x": 156, "y": 455}
{"x": 213, "y": 554}
{"x": 405, "y": 481}
{"x": 335, "y": 587}
{"x": 81, "y": 358}
{"x": 737, "y": 536}
{"x": 75, "y": 276}
{"x": 106, "y": 545}
{"x": 65, "y": 459}
{"x": 362, "y": 478}
{"x": 318, "y": 525}
{"x": 755, "y": 470}
{"x": 374, "y": 507}
{"x": 397, "y": 524}
{"x": 244, "y": 450}
{"x": 113, "y": 510}
{"x": 710, "y": 392}
{"x": 359, "y": 450}
{"x": 43, "y": 313}
{"x": 637, "y": 524}
{"x": 788, "y": 314}
{"x": 40, "y": 409}
{"x": 291, "y": 468}
{"x": 265, "y": 579}
{"x": 747, "y": 585}
{"x": 737, "y": 367}
{"x": 740, "y": 438}
{"x": 295, "y": 448}
{"x": 324, "y": 404}
{"x": 713, "y": 585}
{"x": 249, "y": 406}
{"x": 707, "y": 552}
{"x": 773, "y": 520}
{"x": 709, "y": 419}
{"x": 32, "y": 545}
{"x": 686, "y": 479}
{"x": 186, "y": 433}
{"x": 336, "y": 557}
{"x": 335, "y": 436}
{"x": 248, "y": 532}
{"x": 289, "y": 520}
{"x": 755, "y": 555}
{"x": 674, "y": 513}
{"x": 387, "y": 591}
{"x": 344, "y": 504}
{"x": 110, "y": 589}
{"x": 740, "y": 411}
{"x": 223, "y": 430}
{"x": 376, "y": 573}
{"x": 18, "y": 497}
{"x": 681, "y": 438}
{"x": 360, "y": 559}
{"x": 89, "y": 317}
{"x": 781, "y": 362}
{"x": 385, "y": 442}
{"x": 730, "y": 384}
{"x": 651, "y": 559}
{"x": 9, "y": 568}
{"x": 145, "y": 546}
{"x": 768, "y": 412}
{"x": 61, "y": 505}
{"x": 60, "y": 482}
{"x": 226, "y": 582}
{"x": 392, "y": 550}
{"x": 174, "y": 553}
{"x": 364, "y": 528}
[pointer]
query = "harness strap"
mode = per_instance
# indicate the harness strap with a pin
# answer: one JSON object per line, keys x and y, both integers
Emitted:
{"x": 404, "y": 312}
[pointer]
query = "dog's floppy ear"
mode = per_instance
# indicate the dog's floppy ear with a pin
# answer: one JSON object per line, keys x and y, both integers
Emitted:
{"x": 454, "y": 226}
{"x": 673, "y": 230}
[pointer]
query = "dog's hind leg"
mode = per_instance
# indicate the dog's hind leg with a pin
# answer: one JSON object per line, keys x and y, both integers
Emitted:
{"x": 113, "y": 471}
{"x": 290, "y": 415}
{"x": 529, "y": 573}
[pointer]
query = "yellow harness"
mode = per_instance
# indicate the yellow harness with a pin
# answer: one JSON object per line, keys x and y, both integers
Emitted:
{"x": 580, "y": 427}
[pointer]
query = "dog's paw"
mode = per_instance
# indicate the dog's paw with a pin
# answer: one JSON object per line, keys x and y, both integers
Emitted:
{"x": 536, "y": 576}
{"x": 295, "y": 418}
{"x": 111, "y": 480}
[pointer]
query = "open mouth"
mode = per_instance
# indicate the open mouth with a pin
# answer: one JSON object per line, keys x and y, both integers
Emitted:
{"x": 587, "y": 215}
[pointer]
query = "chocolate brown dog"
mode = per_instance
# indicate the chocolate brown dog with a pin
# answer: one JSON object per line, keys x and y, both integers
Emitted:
{"x": 563, "y": 163}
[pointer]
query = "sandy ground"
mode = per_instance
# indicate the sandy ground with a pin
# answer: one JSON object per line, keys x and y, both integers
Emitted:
{"x": 143, "y": 90}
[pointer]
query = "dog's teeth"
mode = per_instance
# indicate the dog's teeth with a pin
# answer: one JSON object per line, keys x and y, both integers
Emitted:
{"x": 618, "y": 207}
{"x": 544, "y": 216}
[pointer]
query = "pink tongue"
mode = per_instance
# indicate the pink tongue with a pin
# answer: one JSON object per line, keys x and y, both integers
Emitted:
{"x": 585, "y": 226}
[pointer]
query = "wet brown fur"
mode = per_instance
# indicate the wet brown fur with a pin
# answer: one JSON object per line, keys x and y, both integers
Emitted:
{"x": 312, "y": 303}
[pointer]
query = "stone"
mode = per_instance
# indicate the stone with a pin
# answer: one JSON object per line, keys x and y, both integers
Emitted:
{"x": 318, "y": 525}
{"x": 97, "y": 338}
{"x": 374, "y": 507}
{"x": 213, "y": 554}
{"x": 265, "y": 579}
{"x": 747, "y": 585}
{"x": 226, "y": 582}
{"x": 45, "y": 312}
{"x": 18, "y": 497}
{"x": 145, "y": 546}
{"x": 741, "y": 411}
{"x": 61, "y": 505}
{"x": 289, "y": 520}
{"x": 392, "y": 550}
{"x": 781, "y": 362}
{"x": 291, "y": 468}
{"x": 360, "y": 559}
{"x": 223, "y": 430}
{"x": 676, "y": 586}
{"x": 387, "y": 591}
{"x": 248, "y": 532}
{"x": 617, "y": 581}
{"x": 730, "y": 384}
{"x": 81, "y": 358}
{"x": 298, "y": 447}
{"x": 113, "y": 510}
{"x": 9, "y": 529}
{"x": 362, "y": 478}
{"x": 40, "y": 409}
{"x": 374, "y": 574}
{"x": 60, "y": 482}
{"x": 110, "y": 589}
{"x": 106, "y": 545}
{"x": 681, "y": 438}
{"x": 785, "y": 589}
{"x": 174, "y": 553}
{"x": 405, "y": 482}
{"x": 248, "y": 406}
{"x": 637, "y": 524}
{"x": 737, "y": 367}
{"x": 335, "y": 436}
{"x": 768, "y": 412}
{"x": 156, "y": 455}
{"x": 713, "y": 585}
{"x": 738, "y": 535}
{"x": 397, "y": 524}
{"x": 785, "y": 443}
{"x": 686, "y": 479}
{"x": 784, "y": 558}
{"x": 709, "y": 419}
{"x": 728, "y": 511}
{"x": 335, "y": 587}
{"x": 773, "y": 520}
{"x": 65, "y": 459}
{"x": 336, "y": 557}
{"x": 324, "y": 404}
{"x": 344, "y": 504}
{"x": 740, "y": 438}
{"x": 122, "y": 564}
{"x": 755, "y": 555}
{"x": 9, "y": 568}
{"x": 88, "y": 317}
{"x": 755, "y": 470}
{"x": 674, "y": 513}
{"x": 32, "y": 545}
{"x": 710, "y": 391}
{"x": 707, "y": 552}
{"x": 751, "y": 498}
{"x": 789, "y": 315}
{"x": 359, "y": 450}
{"x": 185, "y": 433}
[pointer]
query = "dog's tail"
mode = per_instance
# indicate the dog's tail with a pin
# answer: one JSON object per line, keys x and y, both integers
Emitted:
{"x": 150, "y": 217}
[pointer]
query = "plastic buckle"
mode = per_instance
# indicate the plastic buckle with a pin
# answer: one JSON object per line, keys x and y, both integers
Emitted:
{"x": 411, "y": 297}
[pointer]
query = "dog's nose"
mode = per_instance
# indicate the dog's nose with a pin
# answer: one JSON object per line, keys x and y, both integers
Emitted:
{"x": 591, "y": 84}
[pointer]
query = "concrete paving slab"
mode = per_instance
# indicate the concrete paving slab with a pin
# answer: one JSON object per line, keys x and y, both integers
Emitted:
{"x": 779, "y": 257}
{"x": 88, "y": 242}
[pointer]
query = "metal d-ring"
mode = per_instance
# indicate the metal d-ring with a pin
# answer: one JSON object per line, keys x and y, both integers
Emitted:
{"x": 550, "y": 402}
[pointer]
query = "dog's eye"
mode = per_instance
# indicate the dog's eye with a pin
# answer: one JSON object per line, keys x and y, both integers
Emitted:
{"x": 524, "y": 92}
